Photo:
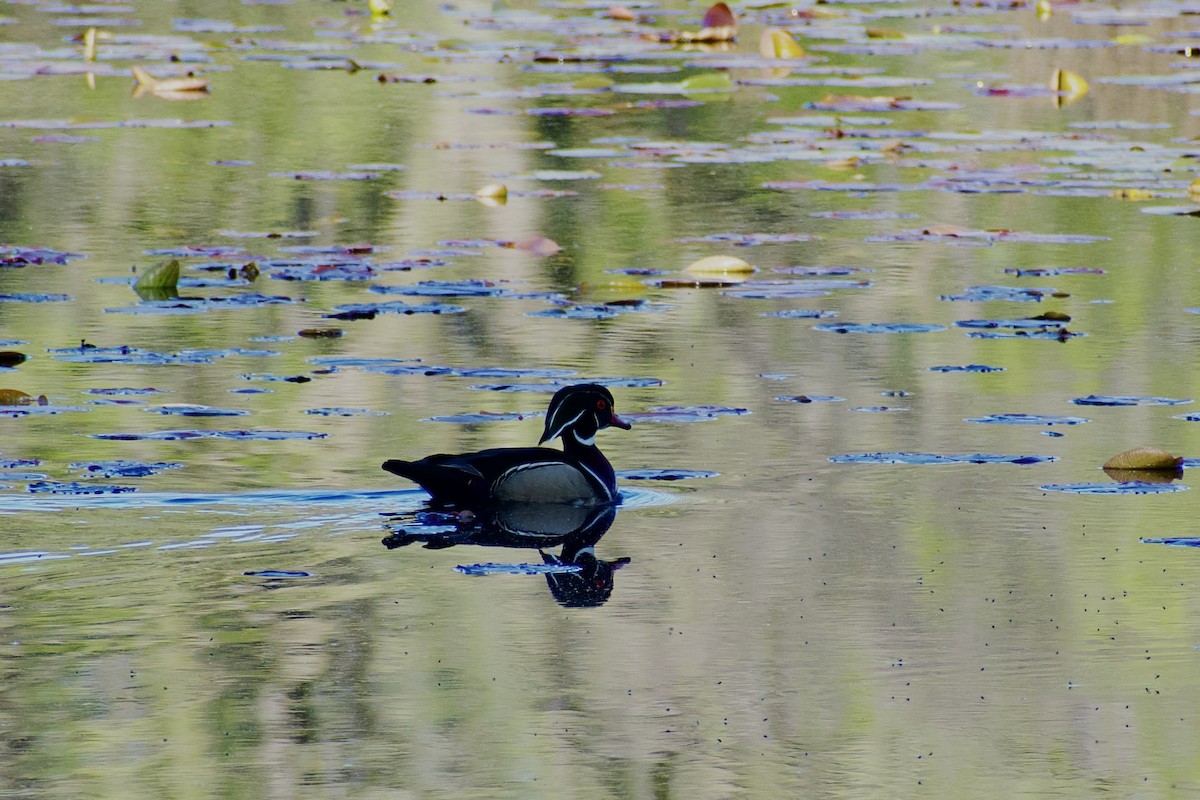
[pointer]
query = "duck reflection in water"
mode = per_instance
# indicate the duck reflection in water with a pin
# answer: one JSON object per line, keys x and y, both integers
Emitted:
{"x": 576, "y": 577}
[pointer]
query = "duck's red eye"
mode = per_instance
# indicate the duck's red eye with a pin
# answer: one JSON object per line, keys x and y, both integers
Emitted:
{"x": 601, "y": 405}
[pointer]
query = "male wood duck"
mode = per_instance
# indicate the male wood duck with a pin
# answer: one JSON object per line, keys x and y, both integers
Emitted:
{"x": 578, "y": 474}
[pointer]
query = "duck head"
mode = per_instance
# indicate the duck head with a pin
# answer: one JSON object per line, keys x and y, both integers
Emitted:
{"x": 580, "y": 411}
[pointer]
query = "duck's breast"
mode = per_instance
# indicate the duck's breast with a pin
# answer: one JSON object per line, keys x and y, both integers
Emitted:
{"x": 545, "y": 482}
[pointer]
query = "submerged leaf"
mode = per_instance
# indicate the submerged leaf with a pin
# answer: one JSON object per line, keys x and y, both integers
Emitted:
{"x": 1144, "y": 458}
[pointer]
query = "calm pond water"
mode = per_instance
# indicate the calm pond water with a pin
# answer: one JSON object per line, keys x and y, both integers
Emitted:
{"x": 864, "y": 550}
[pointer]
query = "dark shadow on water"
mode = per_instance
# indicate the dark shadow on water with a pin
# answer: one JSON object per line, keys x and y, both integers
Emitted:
{"x": 575, "y": 576}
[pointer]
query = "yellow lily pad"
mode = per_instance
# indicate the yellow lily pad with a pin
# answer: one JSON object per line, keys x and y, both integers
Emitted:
{"x": 778, "y": 43}
{"x": 1144, "y": 458}
{"x": 159, "y": 278}
{"x": 15, "y": 397}
{"x": 719, "y": 265}
{"x": 1068, "y": 87}
{"x": 707, "y": 82}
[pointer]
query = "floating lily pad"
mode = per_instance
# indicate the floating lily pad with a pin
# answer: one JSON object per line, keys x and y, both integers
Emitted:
{"x": 29, "y": 256}
{"x": 72, "y": 487}
{"x": 264, "y": 435}
{"x": 38, "y": 409}
{"x": 1127, "y": 400}
{"x": 194, "y": 410}
{"x": 33, "y": 297}
{"x": 1049, "y": 272}
{"x": 811, "y": 398}
{"x": 967, "y": 368}
{"x": 880, "y": 327}
{"x": 1144, "y": 458}
{"x": 1128, "y": 487}
{"x": 1027, "y": 419}
{"x": 394, "y": 307}
{"x": 485, "y": 416}
{"x": 624, "y": 383}
{"x": 345, "y": 412}
{"x": 1019, "y": 324}
{"x": 492, "y": 568}
{"x": 1049, "y": 333}
{"x": 935, "y": 458}
{"x": 802, "y": 313}
{"x": 988, "y": 294}
{"x": 684, "y": 413}
{"x": 664, "y": 474}
{"x": 123, "y": 469}
{"x": 123, "y": 391}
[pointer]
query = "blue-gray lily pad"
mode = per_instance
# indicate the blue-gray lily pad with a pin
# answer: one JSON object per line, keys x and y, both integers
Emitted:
{"x": 1127, "y": 487}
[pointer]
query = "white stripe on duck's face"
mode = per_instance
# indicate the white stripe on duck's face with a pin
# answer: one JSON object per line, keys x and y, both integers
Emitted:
{"x": 547, "y": 482}
{"x": 557, "y": 432}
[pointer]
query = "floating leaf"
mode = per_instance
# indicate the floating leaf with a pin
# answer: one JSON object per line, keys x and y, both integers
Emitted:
{"x": 168, "y": 88}
{"x": 15, "y": 397}
{"x": 1128, "y": 400}
{"x": 1067, "y": 87}
{"x": 778, "y": 43}
{"x": 11, "y": 358}
{"x": 1144, "y": 458}
{"x": 720, "y": 25}
{"x": 967, "y": 368}
{"x": 935, "y": 458}
{"x": 1129, "y": 487}
{"x": 497, "y": 193}
{"x": 664, "y": 474}
{"x": 878, "y": 327}
{"x": 719, "y": 265}
{"x": 160, "y": 282}
{"x": 538, "y": 246}
{"x": 707, "y": 82}
{"x": 1026, "y": 419}
{"x": 320, "y": 333}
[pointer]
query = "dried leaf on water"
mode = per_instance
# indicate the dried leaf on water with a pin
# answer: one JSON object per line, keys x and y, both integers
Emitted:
{"x": 11, "y": 358}
{"x": 188, "y": 88}
{"x": 720, "y": 25}
{"x": 1151, "y": 458}
{"x": 707, "y": 82}
{"x": 15, "y": 397}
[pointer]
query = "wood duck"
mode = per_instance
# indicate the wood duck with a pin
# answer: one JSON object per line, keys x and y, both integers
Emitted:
{"x": 579, "y": 474}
